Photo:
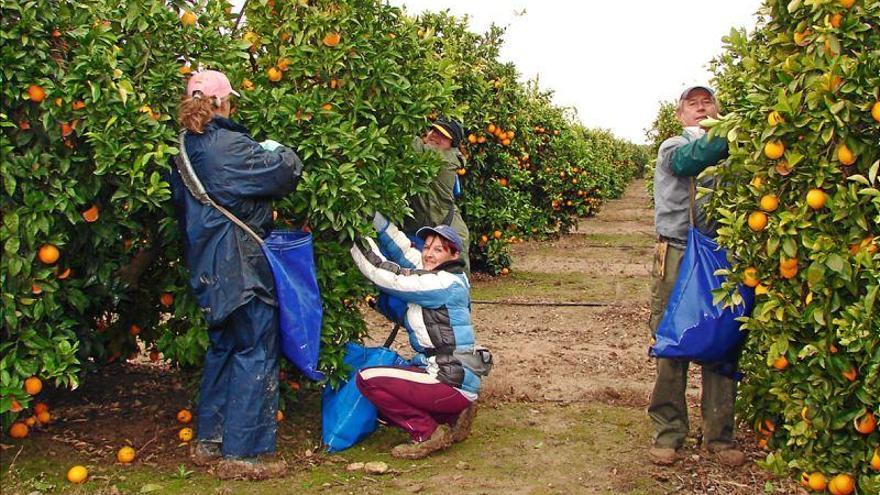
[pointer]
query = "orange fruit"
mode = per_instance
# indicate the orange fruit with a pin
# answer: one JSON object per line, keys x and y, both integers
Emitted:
{"x": 154, "y": 356}
{"x": 800, "y": 38}
{"x": 78, "y": 105}
{"x": 503, "y": 182}
{"x": 481, "y": 139}
{"x": 134, "y": 330}
{"x": 31, "y": 421}
{"x": 334, "y": 83}
{"x": 835, "y": 20}
{"x": 40, "y": 407}
{"x": 188, "y": 18}
{"x": 327, "y": 107}
{"x": 851, "y": 374}
{"x": 293, "y": 385}
{"x": 847, "y": 3}
{"x": 36, "y": 93}
{"x": 866, "y": 424}
{"x": 461, "y": 171}
{"x": 769, "y": 202}
{"x": 816, "y": 199}
{"x": 91, "y": 215}
{"x": 274, "y": 74}
{"x": 496, "y": 234}
{"x": 750, "y": 277}
{"x": 184, "y": 416}
{"x": 780, "y": 363}
{"x": 472, "y": 139}
{"x": 33, "y": 385}
{"x": 844, "y": 155}
{"x": 505, "y": 271}
{"x": 832, "y": 349}
{"x": 782, "y": 168}
{"x": 774, "y": 149}
{"x": 48, "y": 254}
{"x": 15, "y": 406}
{"x": 484, "y": 240}
{"x": 875, "y": 111}
{"x": 279, "y": 416}
{"x": 505, "y": 142}
{"x": 757, "y": 221}
{"x": 283, "y": 64}
{"x": 805, "y": 479}
{"x": 66, "y": 129}
{"x": 247, "y": 85}
{"x": 166, "y": 299}
{"x": 875, "y": 460}
{"x": 18, "y": 430}
{"x": 817, "y": 482}
{"x": 44, "y": 417}
{"x": 490, "y": 128}
{"x": 842, "y": 484}
{"x": 332, "y": 39}
{"x": 185, "y": 434}
{"x": 184, "y": 69}
{"x": 125, "y": 455}
{"x": 77, "y": 474}
{"x": 774, "y": 118}
{"x": 511, "y": 135}
{"x": 36, "y": 289}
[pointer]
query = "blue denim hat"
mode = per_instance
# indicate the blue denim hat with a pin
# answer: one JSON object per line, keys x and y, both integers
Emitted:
{"x": 444, "y": 231}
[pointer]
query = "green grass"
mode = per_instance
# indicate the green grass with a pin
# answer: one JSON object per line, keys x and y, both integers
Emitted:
{"x": 526, "y": 448}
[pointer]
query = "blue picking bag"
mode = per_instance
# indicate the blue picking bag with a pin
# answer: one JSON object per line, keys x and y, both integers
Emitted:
{"x": 693, "y": 328}
{"x": 346, "y": 415}
{"x": 292, "y": 260}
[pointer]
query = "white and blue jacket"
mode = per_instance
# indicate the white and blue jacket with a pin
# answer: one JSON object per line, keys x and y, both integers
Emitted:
{"x": 438, "y": 315}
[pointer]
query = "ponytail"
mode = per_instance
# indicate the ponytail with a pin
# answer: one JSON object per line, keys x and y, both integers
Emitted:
{"x": 194, "y": 112}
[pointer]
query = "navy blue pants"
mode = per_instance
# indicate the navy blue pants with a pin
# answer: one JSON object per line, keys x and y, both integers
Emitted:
{"x": 239, "y": 393}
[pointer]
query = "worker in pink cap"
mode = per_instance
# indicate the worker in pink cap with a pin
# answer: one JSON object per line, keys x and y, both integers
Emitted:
{"x": 230, "y": 277}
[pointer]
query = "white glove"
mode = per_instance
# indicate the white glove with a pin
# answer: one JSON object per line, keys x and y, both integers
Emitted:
{"x": 380, "y": 223}
{"x": 694, "y": 132}
{"x": 270, "y": 145}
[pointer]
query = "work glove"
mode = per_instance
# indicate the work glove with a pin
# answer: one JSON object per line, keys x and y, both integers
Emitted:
{"x": 270, "y": 145}
{"x": 380, "y": 223}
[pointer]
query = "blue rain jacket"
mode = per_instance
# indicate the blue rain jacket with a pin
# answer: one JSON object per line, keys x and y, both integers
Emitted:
{"x": 226, "y": 265}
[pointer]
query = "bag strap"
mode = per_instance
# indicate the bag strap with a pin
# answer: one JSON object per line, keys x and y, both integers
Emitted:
{"x": 692, "y": 201}
{"x": 392, "y": 336}
{"x": 197, "y": 189}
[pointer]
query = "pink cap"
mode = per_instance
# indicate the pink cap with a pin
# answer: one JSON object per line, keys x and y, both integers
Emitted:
{"x": 210, "y": 83}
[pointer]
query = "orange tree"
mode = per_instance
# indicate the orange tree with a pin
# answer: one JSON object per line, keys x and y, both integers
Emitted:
{"x": 87, "y": 90}
{"x": 799, "y": 213}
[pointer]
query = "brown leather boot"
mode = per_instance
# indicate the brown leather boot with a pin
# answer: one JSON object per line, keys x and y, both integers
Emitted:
{"x": 728, "y": 455}
{"x": 462, "y": 427}
{"x": 663, "y": 456}
{"x": 440, "y": 439}
{"x": 204, "y": 453}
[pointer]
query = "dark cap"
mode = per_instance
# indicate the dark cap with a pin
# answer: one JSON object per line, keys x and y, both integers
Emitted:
{"x": 444, "y": 231}
{"x": 451, "y": 129}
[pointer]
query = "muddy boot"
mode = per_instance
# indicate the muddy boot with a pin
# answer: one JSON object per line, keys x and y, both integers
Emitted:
{"x": 462, "y": 427}
{"x": 250, "y": 468}
{"x": 204, "y": 453}
{"x": 440, "y": 439}
{"x": 728, "y": 455}
{"x": 663, "y": 456}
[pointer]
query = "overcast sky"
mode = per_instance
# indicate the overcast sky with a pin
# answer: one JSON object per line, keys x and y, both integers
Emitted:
{"x": 613, "y": 61}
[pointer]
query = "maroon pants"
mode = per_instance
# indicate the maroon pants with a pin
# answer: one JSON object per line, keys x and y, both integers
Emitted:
{"x": 411, "y": 399}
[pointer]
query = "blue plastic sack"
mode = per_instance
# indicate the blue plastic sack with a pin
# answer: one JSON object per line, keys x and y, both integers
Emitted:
{"x": 292, "y": 260}
{"x": 346, "y": 415}
{"x": 693, "y": 328}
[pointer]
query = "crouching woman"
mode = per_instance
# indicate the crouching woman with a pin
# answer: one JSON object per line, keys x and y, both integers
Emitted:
{"x": 433, "y": 399}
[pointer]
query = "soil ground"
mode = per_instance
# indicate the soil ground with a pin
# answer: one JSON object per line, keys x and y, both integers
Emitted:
{"x": 562, "y": 413}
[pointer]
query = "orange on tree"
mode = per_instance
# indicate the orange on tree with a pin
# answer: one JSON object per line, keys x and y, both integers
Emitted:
{"x": 875, "y": 460}
{"x": 184, "y": 416}
{"x": 91, "y": 214}
{"x": 816, "y": 199}
{"x": 188, "y": 18}
{"x": 780, "y": 363}
{"x": 279, "y": 415}
{"x": 274, "y": 74}
{"x": 15, "y": 406}
{"x": 750, "y": 277}
{"x": 817, "y": 482}
{"x": 866, "y": 424}
{"x": 18, "y": 431}
{"x": 30, "y": 421}
{"x": 836, "y": 20}
{"x": 125, "y": 455}
{"x": 505, "y": 271}
{"x": 166, "y": 299}
{"x": 774, "y": 118}
{"x": 36, "y": 93}
{"x": 844, "y": 155}
{"x": 33, "y": 385}
{"x": 247, "y": 85}
{"x": 842, "y": 484}
{"x": 48, "y": 254}
{"x": 774, "y": 149}
{"x": 847, "y": 4}
{"x": 40, "y": 407}
{"x": 78, "y": 105}
{"x": 134, "y": 330}
{"x": 757, "y": 221}
{"x": 332, "y": 39}
{"x": 44, "y": 417}
{"x": 875, "y": 111}
{"x": 77, "y": 474}
{"x": 497, "y": 234}
{"x": 851, "y": 374}
{"x": 769, "y": 202}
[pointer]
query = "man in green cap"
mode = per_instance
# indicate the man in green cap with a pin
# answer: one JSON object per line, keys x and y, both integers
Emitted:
{"x": 437, "y": 206}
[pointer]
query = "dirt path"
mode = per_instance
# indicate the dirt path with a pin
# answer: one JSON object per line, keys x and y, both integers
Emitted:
{"x": 562, "y": 413}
